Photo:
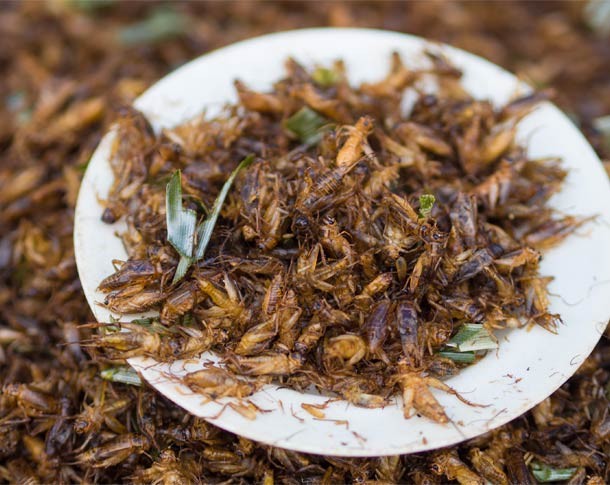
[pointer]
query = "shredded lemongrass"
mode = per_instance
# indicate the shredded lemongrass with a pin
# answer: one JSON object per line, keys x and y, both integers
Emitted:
{"x": 472, "y": 337}
{"x": 458, "y": 357}
{"x": 545, "y": 474}
{"x": 181, "y": 222}
{"x": 182, "y": 228}
{"x": 122, "y": 374}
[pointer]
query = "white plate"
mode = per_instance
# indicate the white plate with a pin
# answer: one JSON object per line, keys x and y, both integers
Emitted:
{"x": 528, "y": 366}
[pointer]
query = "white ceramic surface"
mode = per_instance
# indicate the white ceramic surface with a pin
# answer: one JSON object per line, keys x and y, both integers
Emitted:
{"x": 528, "y": 366}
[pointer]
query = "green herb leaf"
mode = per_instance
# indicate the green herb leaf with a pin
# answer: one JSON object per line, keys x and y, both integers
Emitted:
{"x": 106, "y": 329}
{"x": 183, "y": 265}
{"x": 122, "y": 374}
{"x": 163, "y": 23}
{"x": 545, "y": 474}
{"x": 325, "y": 77}
{"x": 204, "y": 231}
{"x": 472, "y": 337}
{"x": 458, "y": 357}
{"x": 426, "y": 202}
{"x": 306, "y": 124}
{"x": 180, "y": 222}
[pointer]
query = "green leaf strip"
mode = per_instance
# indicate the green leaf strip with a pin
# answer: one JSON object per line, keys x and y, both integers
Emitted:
{"x": 180, "y": 222}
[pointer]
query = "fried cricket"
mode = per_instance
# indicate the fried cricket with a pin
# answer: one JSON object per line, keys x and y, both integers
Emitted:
{"x": 393, "y": 235}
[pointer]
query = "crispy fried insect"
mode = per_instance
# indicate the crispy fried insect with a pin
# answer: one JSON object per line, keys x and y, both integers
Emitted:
{"x": 9, "y": 440}
{"x": 496, "y": 188}
{"x": 552, "y": 232}
{"x": 498, "y": 141}
{"x": 521, "y": 106}
{"x": 373, "y": 223}
{"x": 379, "y": 285}
{"x": 273, "y": 295}
{"x": 178, "y": 302}
{"x": 324, "y": 316}
{"x": 215, "y": 382}
{"x": 257, "y": 338}
{"x": 464, "y": 218}
{"x": 133, "y": 299}
{"x": 288, "y": 316}
{"x": 515, "y": 259}
{"x": 516, "y": 469}
{"x": 349, "y": 348}
{"x": 262, "y": 196}
{"x": 226, "y": 462}
{"x": 20, "y": 471}
{"x": 396, "y": 240}
{"x": 389, "y": 469}
{"x": 309, "y": 337}
{"x": 596, "y": 480}
{"x": 407, "y": 324}
{"x": 487, "y": 467}
{"x": 263, "y": 102}
{"x": 319, "y": 192}
{"x": 35, "y": 448}
{"x": 227, "y": 303}
{"x": 265, "y": 364}
{"x": 195, "y": 431}
{"x": 421, "y": 477}
{"x": 435, "y": 334}
{"x": 441, "y": 367}
{"x": 169, "y": 470}
{"x": 135, "y": 339}
{"x": 426, "y": 264}
{"x": 448, "y": 463}
{"x": 133, "y": 271}
{"x": 416, "y": 394}
{"x": 600, "y": 421}
{"x": 31, "y": 401}
{"x": 93, "y": 417}
{"x": 353, "y": 148}
{"x": 332, "y": 240}
{"x": 281, "y": 312}
{"x": 291, "y": 461}
{"x": 354, "y": 391}
{"x": 114, "y": 451}
{"x": 59, "y": 437}
{"x": 424, "y": 137}
{"x": 377, "y": 325}
{"x": 395, "y": 82}
{"x": 332, "y": 108}
{"x": 477, "y": 262}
